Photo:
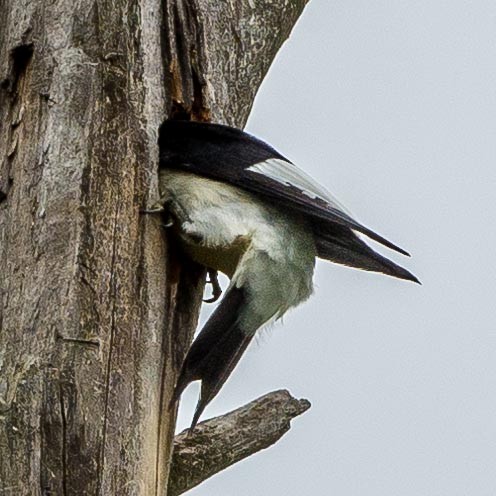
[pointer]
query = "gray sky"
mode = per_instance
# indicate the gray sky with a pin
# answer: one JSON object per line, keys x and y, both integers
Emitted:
{"x": 392, "y": 106}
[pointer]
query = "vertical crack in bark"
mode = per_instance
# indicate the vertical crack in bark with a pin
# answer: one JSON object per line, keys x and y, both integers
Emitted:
{"x": 166, "y": 352}
{"x": 158, "y": 450}
{"x": 11, "y": 91}
{"x": 184, "y": 49}
{"x": 113, "y": 291}
{"x": 184, "y": 299}
{"x": 21, "y": 57}
{"x": 199, "y": 109}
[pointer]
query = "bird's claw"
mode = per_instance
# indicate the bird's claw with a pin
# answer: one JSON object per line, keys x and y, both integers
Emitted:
{"x": 168, "y": 224}
{"x": 213, "y": 279}
{"x": 160, "y": 208}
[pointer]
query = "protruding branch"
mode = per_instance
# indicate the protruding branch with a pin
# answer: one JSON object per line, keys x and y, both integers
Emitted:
{"x": 220, "y": 442}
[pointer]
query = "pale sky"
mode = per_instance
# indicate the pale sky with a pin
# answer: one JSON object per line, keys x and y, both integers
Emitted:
{"x": 392, "y": 106}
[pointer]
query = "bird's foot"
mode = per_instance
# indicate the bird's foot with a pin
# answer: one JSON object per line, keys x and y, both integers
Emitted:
{"x": 160, "y": 207}
{"x": 156, "y": 208}
{"x": 213, "y": 279}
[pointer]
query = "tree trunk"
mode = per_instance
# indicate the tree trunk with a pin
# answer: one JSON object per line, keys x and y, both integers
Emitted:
{"x": 96, "y": 308}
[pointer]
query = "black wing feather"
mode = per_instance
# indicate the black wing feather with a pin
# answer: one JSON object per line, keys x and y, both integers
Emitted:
{"x": 225, "y": 154}
{"x": 343, "y": 246}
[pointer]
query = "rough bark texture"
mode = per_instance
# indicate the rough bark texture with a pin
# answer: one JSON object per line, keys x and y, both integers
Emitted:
{"x": 222, "y": 441}
{"x": 96, "y": 309}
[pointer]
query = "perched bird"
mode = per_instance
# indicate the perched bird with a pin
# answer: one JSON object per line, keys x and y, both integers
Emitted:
{"x": 240, "y": 207}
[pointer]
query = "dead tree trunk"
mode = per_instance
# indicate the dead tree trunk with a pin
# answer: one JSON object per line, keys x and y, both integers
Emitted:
{"x": 95, "y": 311}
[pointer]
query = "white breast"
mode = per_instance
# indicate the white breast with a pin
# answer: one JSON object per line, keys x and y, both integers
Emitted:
{"x": 278, "y": 258}
{"x": 221, "y": 213}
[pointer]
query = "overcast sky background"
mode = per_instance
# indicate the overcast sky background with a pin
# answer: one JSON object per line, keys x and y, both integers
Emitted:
{"x": 392, "y": 106}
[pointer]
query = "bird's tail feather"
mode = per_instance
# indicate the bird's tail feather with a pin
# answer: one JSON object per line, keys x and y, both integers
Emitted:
{"x": 215, "y": 352}
{"x": 343, "y": 246}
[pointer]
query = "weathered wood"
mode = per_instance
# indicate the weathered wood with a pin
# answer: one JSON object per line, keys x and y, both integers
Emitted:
{"x": 222, "y": 441}
{"x": 231, "y": 46}
{"x": 96, "y": 312}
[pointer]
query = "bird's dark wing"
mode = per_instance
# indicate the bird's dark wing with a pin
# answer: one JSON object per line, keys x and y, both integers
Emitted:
{"x": 341, "y": 245}
{"x": 282, "y": 182}
{"x": 235, "y": 157}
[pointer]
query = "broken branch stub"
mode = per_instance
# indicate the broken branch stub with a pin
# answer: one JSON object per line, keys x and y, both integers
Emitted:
{"x": 220, "y": 442}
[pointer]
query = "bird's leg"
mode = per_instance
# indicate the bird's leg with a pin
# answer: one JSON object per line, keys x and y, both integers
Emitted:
{"x": 213, "y": 279}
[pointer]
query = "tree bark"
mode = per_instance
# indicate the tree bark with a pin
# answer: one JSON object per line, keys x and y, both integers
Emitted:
{"x": 96, "y": 308}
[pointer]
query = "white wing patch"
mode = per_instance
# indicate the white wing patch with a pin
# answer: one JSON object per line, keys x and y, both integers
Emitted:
{"x": 288, "y": 174}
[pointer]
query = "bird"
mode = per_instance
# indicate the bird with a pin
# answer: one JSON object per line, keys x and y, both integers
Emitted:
{"x": 237, "y": 206}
